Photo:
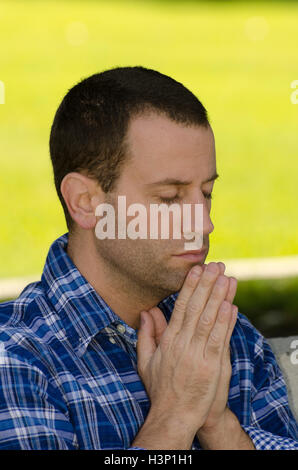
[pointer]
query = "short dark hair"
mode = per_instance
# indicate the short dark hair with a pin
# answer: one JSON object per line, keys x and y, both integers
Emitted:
{"x": 89, "y": 128}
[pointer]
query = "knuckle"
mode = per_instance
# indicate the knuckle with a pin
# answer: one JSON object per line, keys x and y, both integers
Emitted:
{"x": 192, "y": 309}
{"x": 180, "y": 304}
{"x": 166, "y": 341}
{"x": 179, "y": 346}
{"x": 200, "y": 334}
{"x": 207, "y": 279}
{"x": 224, "y": 310}
{"x": 216, "y": 296}
{"x": 206, "y": 320}
{"x": 214, "y": 348}
{"x": 192, "y": 280}
{"x": 220, "y": 287}
{"x": 215, "y": 339}
{"x": 221, "y": 282}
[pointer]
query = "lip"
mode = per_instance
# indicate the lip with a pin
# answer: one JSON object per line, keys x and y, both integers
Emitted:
{"x": 192, "y": 252}
{"x": 193, "y": 255}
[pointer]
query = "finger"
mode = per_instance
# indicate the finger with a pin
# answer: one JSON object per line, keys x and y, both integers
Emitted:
{"x": 231, "y": 327}
{"x": 222, "y": 267}
{"x": 210, "y": 312}
{"x": 233, "y": 283}
{"x": 232, "y": 290}
{"x": 146, "y": 345}
{"x": 217, "y": 336}
{"x": 200, "y": 297}
{"x": 182, "y": 300}
{"x": 160, "y": 323}
{"x": 226, "y": 355}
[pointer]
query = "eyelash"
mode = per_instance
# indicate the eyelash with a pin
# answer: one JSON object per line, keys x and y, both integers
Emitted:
{"x": 168, "y": 200}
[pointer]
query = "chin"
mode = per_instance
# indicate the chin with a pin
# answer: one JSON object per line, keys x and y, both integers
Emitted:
{"x": 175, "y": 283}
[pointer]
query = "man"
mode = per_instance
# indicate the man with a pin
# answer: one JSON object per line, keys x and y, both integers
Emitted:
{"x": 135, "y": 342}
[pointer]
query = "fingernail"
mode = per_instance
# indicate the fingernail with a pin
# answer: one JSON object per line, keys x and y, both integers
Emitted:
{"x": 212, "y": 267}
{"x": 222, "y": 266}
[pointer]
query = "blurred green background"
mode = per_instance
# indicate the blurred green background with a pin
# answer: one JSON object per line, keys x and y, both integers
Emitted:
{"x": 239, "y": 58}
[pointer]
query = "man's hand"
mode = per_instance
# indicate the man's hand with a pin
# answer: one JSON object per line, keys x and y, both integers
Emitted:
{"x": 180, "y": 364}
{"x": 219, "y": 405}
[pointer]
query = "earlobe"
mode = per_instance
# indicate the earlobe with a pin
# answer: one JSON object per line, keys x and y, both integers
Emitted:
{"x": 86, "y": 222}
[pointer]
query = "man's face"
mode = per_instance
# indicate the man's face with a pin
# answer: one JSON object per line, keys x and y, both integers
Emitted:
{"x": 161, "y": 150}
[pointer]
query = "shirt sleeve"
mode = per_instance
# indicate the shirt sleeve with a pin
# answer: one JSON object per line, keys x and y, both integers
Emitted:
{"x": 31, "y": 417}
{"x": 272, "y": 425}
{"x": 264, "y": 440}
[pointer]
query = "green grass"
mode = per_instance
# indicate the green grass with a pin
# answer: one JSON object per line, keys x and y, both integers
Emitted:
{"x": 243, "y": 82}
{"x": 271, "y": 305}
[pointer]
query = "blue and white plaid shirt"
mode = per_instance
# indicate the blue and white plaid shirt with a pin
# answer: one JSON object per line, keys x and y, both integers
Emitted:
{"x": 68, "y": 371}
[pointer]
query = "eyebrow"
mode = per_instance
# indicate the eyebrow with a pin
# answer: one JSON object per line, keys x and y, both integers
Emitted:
{"x": 177, "y": 182}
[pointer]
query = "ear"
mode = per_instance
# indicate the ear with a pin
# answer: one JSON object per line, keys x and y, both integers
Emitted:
{"x": 81, "y": 195}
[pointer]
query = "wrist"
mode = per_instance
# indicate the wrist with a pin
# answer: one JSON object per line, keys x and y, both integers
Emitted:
{"x": 164, "y": 431}
{"x": 213, "y": 437}
{"x": 226, "y": 434}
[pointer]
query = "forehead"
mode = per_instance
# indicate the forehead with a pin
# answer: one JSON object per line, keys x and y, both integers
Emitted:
{"x": 160, "y": 148}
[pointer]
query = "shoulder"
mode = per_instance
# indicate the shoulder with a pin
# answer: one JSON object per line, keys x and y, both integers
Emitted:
{"x": 12, "y": 312}
{"x": 25, "y": 335}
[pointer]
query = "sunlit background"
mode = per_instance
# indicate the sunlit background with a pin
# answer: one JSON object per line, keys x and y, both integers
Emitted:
{"x": 239, "y": 58}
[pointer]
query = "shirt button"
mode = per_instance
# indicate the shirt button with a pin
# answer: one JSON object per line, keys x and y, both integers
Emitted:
{"x": 112, "y": 340}
{"x": 121, "y": 328}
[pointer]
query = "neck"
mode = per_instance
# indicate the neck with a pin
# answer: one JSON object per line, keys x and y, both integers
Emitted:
{"x": 124, "y": 296}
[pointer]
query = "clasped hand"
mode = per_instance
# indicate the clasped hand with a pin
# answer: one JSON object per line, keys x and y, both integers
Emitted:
{"x": 185, "y": 364}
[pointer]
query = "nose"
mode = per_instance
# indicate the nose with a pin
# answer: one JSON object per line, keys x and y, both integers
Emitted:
{"x": 208, "y": 226}
{"x": 196, "y": 217}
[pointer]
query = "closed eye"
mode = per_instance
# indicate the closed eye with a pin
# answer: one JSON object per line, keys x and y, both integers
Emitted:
{"x": 169, "y": 200}
{"x": 176, "y": 198}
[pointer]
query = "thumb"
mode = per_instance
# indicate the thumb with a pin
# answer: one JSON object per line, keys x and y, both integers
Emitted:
{"x": 160, "y": 323}
{"x": 146, "y": 345}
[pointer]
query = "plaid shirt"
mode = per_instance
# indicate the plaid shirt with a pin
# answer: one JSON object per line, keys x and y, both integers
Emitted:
{"x": 68, "y": 371}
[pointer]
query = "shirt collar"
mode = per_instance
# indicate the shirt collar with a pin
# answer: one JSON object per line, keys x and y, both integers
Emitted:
{"x": 82, "y": 311}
